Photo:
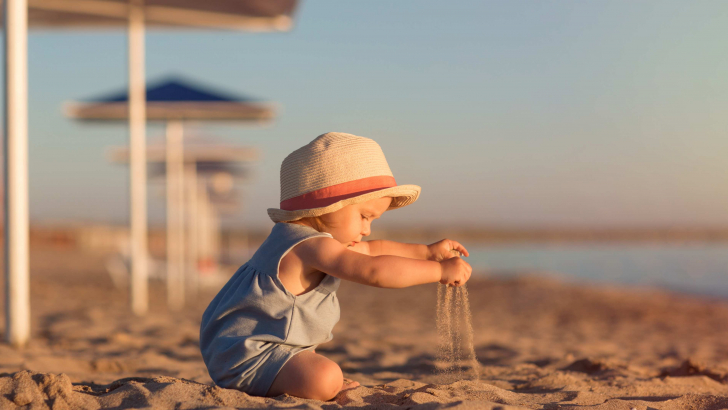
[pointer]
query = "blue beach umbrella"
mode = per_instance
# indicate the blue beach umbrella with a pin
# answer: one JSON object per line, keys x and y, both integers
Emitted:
{"x": 174, "y": 99}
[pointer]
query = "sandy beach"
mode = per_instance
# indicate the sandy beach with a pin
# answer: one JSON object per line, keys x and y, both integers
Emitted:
{"x": 541, "y": 344}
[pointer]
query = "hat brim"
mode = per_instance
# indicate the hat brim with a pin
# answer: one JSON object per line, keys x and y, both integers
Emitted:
{"x": 402, "y": 195}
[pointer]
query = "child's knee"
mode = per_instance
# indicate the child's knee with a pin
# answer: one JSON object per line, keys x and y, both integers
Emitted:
{"x": 329, "y": 381}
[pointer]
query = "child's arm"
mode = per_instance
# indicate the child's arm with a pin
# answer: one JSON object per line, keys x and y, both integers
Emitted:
{"x": 405, "y": 250}
{"x": 386, "y": 271}
{"x": 434, "y": 252}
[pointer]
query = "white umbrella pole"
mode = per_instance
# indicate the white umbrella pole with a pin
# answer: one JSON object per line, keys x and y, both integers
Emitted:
{"x": 209, "y": 228}
{"x": 17, "y": 286}
{"x": 175, "y": 217}
{"x": 203, "y": 226}
{"x": 137, "y": 160}
{"x": 191, "y": 209}
{"x": 214, "y": 234}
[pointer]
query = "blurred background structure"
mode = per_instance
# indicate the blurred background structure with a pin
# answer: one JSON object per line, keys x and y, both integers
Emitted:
{"x": 253, "y": 15}
{"x": 174, "y": 102}
{"x": 210, "y": 172}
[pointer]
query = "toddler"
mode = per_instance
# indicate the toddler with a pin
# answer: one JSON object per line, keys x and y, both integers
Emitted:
{"x": 260, "y": 332}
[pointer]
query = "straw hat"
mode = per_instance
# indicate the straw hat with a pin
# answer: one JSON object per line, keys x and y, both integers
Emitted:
{"x": 333, "y": 171}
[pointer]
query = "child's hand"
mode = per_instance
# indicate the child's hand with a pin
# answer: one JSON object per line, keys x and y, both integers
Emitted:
{"x": 439, "y": 251}
{"x": 455, "y": 271}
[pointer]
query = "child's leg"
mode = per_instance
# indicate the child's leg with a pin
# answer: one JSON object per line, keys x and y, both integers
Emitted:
{"x": 311, "y": 376}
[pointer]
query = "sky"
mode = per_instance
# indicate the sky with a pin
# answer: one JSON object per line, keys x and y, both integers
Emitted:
{"x": 507, "y": 114}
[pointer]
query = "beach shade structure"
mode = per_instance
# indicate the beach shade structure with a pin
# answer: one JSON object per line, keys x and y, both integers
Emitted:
{"x": 212, "y": 170}
{"x": 134, "y": 15}
{"x": 174, "y": 100}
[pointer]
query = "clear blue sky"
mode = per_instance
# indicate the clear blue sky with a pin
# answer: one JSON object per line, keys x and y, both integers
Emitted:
{"x": 508, "y": 113}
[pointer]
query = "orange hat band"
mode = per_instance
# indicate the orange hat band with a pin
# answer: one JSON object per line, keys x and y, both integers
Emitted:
{"x": 335, "y": 193}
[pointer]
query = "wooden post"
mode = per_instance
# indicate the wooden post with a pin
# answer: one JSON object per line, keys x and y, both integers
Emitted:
{"x": 17, "y": 285}
{"x": 175, "y": 217}
{"x": 192, "y": 225}
{"x": 203, "y": 227}
{"x": 137, "y": 159}
{"x": 214, "y": 217}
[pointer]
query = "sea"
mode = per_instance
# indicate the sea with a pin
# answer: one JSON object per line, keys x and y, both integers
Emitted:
{"x": 693, "y": 267}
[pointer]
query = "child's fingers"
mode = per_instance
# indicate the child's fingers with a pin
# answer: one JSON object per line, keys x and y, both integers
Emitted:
{"x": 460, "y": 248}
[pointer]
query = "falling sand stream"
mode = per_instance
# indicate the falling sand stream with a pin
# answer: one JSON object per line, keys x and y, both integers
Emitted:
{"x": 455, "y": 331}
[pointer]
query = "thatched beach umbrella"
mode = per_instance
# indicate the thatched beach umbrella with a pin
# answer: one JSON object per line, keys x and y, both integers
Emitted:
{"x": 252, "y": 15}
{"x": 174, "y": 101}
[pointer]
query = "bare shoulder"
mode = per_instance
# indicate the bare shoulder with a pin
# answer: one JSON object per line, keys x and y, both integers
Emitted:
{"x": 295, "y": 274}
{"x": 314, "y": 249}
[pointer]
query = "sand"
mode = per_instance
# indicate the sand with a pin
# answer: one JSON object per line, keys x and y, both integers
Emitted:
{"x": 456, "y": 351}
{"x": 541, "y": 344}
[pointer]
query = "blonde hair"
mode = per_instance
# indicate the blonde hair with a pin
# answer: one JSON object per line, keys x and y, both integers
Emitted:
{"x": 314, "y": 222}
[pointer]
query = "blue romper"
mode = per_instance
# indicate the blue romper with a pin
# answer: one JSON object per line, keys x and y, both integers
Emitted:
{"x": 254, "y": 325}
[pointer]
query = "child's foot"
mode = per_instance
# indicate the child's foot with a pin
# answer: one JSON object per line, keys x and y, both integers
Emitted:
{"x": 349, "y": 384}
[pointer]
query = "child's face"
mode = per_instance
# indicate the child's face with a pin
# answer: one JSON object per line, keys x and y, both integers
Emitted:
{"x": 351, "y": 223}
